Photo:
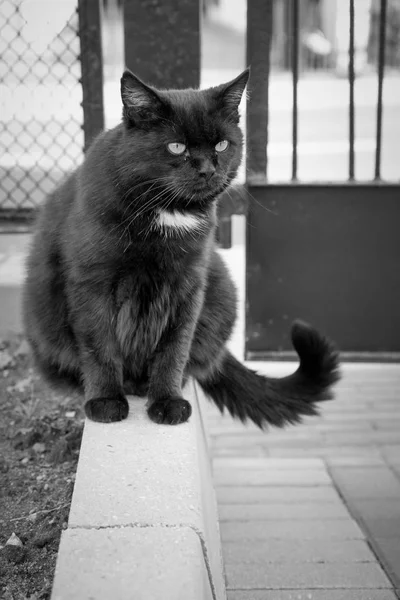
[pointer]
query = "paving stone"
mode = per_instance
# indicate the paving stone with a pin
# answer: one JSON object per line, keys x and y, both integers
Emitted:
{"x": 377, "y": 509}
{"x": 303, "y": 450}
{"x": 358, "y": 438}
{"x": 264, "y": 440}
{"x": 333, "y": 427}
{"x": 244, "y": 512}
{"x": 384, "y": 397}
{"x": 388, "y": 424}
{"x": 281, "y": 494}
{"x": 392, "y": 453}
{"x": 311, "y": 595}
{"x": 356, "y": 461}
{"x": 301, "y": 432}
{"x": 342, "y": 529}
{"x": 234, "y": 428}
{"x": 359, "y": 415}
{"x": 307, "y": 575}
{"x": 255, "y": 451}
{"x": 290, "y": 464}
{"x": 385, "y": 407}
{"x": 346, "y": 407}
{"x": 388, "y": 551}
{"x": 366, "y": 482}
{"x": 385, "y": 528}
{"x": 303, "y": 551}
{"x": 321, "y": 450}
{"x": 303, "y": 477}
{"x": 337, "y": 426}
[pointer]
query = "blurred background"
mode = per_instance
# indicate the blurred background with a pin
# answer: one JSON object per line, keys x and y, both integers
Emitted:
{"x": 40, "y": 93}
{"x": 60, "y": 64}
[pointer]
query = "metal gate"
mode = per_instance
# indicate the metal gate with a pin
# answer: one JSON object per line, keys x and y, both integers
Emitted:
{"x": 51, "y": 107}
{"x": 325, "y": 251}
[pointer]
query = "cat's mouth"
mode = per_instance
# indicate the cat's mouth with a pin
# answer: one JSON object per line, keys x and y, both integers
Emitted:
{"x": 196, "y": 196}
{"x": 208, "y": 190}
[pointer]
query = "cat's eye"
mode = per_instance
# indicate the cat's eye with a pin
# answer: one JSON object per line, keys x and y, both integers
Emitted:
{"x": 222, "y": 146}
{"x": 176, "y": 148}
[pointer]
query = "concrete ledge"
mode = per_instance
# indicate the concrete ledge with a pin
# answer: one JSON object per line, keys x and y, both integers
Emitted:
{"x": 129, "y": 562}
{"x": 143, "y": 510}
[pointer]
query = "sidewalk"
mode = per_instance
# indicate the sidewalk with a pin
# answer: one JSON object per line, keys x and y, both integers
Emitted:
{"x": 313, "y": 512}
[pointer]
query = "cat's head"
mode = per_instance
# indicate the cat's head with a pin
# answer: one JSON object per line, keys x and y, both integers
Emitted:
{"x": 186, "y": 141}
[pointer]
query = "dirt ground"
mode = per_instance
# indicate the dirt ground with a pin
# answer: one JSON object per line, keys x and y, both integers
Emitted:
{"x": 40, "y": 436}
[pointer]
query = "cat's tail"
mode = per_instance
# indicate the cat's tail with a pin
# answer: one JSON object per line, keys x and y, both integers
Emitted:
{"x": 278, "y": 402}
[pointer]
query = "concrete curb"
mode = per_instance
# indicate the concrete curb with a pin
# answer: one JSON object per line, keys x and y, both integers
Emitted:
{"x": 143, "y": 520}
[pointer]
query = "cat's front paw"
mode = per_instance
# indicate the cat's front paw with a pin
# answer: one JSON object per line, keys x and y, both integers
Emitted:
{"x": 171, "y": 411}
{"x": 107, "y": 410}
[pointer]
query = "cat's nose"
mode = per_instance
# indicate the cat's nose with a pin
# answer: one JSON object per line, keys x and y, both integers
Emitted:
{"x": 206, "y": 170}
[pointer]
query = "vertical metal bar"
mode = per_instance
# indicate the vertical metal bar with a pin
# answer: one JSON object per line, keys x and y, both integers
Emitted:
{"x": 381, "y": 69}
{"x": 162, "y": 41}
{"x": 258, "y": 44}
{"x": 295, "y": 76}
{"x": 351, "y": 98}
{"x": 89, "y": 12}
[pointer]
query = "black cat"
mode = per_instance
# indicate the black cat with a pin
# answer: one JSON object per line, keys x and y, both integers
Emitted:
{"x": 125, "y": 289}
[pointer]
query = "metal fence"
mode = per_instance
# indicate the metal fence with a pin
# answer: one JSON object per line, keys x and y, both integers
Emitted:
{"x": 327, "y": 130}
{"x": 260, "y": 37}
{"x": 50, "y": 79}
{"x": 52, "y": 87}
{"x": 316, "y": 43}
{"x": 321, "y": 249}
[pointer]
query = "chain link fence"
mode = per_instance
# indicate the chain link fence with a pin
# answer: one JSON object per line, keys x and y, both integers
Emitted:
{"x": 41, "y": 117}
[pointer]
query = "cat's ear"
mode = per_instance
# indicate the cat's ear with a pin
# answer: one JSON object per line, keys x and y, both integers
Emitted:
{"x": 141, "y": 102}
{"x": 229, "y": 95}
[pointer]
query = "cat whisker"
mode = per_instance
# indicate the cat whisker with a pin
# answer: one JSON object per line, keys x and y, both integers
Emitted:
{"x": 152, "y": 202}
{"x": 153, "y": 182}
{"x": 145, "y": 206}
{"x": 129, "y": 220}
{"x": 137, "y": 199}
{"x": 246, "y": 191}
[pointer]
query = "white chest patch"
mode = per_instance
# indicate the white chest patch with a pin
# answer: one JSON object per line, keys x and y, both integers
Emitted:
{"x": 179, "y": 221}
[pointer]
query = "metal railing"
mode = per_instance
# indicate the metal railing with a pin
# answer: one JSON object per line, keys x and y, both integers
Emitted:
{"x": 259, "y": 45}
{"x": 51, "y": 101}
{"x": 44, "y": 131}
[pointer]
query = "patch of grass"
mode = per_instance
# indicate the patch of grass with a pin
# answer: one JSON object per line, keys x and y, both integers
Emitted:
{"x": 40, "y": 436}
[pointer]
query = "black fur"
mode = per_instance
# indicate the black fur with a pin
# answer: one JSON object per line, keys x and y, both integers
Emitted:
{"x": 270, "y": 401}
{"x": 116, "y": 303}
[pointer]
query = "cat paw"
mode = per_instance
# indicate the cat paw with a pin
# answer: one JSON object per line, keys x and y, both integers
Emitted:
{"x": 172, "y": 411}
{"x": 107, "y": 410}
